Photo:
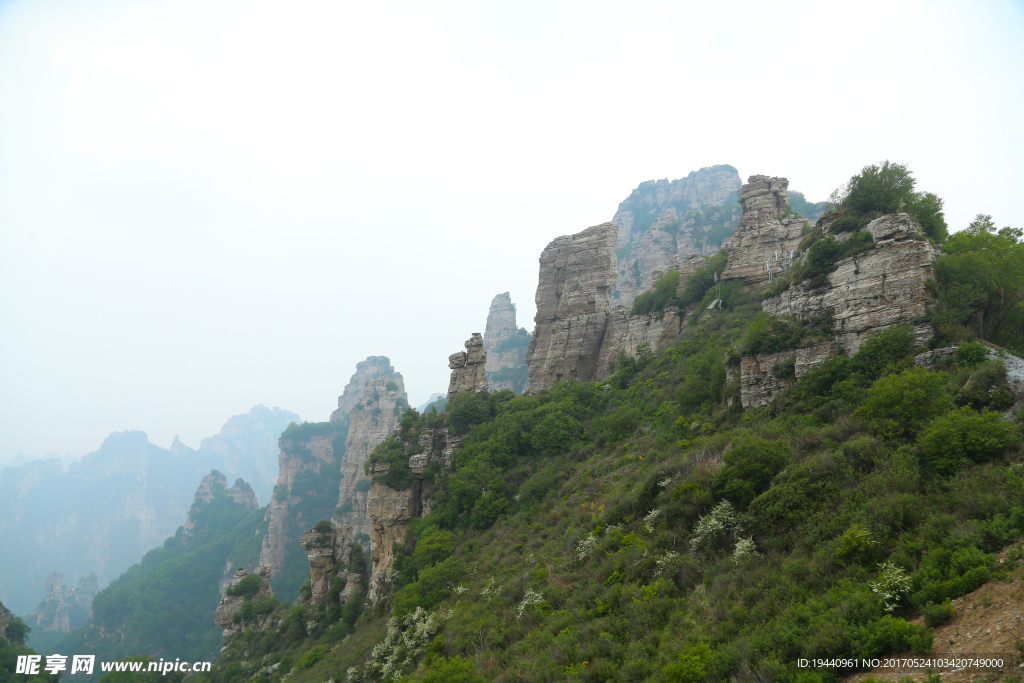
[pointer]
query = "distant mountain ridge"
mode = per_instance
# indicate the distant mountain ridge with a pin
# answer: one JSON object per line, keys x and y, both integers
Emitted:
{"x": 111, "y": 506}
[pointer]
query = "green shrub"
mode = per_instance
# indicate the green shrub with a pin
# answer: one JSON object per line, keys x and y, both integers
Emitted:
{"x": 660, "y": 297}
{"x": 936, "y": 615}
{"x": 856, "y": 545}
{"x": 515, "y": 341}
{"x": 970, "y": 354}
{"x": 312, "y": 657}
{"x": 363, "y": 485}
{"x": 247, "y": 587}
{"x": 771, "y": 334}
{"x": 323, "y": 527}
{"x": 749, "y": 467}
{"x": 952, "y": 441}
{"x": 689, "y": 665}
{"x": 901, "y": 404}
{"x": 454, "y": 670}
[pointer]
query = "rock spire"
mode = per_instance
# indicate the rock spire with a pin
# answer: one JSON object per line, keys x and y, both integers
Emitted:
{"x": 468, "y": 367}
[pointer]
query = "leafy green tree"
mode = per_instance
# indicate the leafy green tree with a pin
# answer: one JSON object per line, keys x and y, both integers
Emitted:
{"x": 901, "y": 404}
{"x": 749, "y": 468}
{"x": 981, "y": 284}
{"x": 689, "y": 666}
{"x": 952, "y": 441}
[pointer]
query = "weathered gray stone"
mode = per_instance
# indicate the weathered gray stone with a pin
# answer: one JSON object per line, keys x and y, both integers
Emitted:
{"x": 763, "y": 230}
{"x": 682, "y": 211}
{"x": 761, "y": 376}
{"x": 214, "y": 485}
{"x": 366, "y": 371}
{"x": 506, "y": 368}
{"x": 577, "y": 273}
{"x": 230, "y": 605}
{"x": 326, "y": 550}
{"x": 469, "y": 367}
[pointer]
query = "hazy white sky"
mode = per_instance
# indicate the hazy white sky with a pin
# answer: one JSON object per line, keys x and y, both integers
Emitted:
{"x": 207, "y": 205}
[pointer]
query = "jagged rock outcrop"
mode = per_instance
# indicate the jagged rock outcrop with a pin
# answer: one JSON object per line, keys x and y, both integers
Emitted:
{"x": 53, "y": 613}
{"x": 5, "y": 620}
{"x": 231, "y": 605}
{"x": 366, "y": 371}
{"x": 325, "y": 550}
{"x": 214, "y": 485}
{"x": 370, "y": 421}
{"x": 937, "y": 358}
{"x": 391, "y": 511}
{"x": 577, "y": 274}
{"x": 872, "y": 290}
{"x": 868, "y": 292}
{"x": 661, "y": 219}
{"x": 763, "y": 230}
{"x": 505, "y": 345}
{"x": 469, "y": 367}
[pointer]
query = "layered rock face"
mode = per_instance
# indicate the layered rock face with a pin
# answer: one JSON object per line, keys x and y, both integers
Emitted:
{"x": 215, "y": 485}
{"x": 366, "y": 371}
{"x": 370, "y": 421}
{"x": 579, "y": 333}
{"x": 662, "y": 219}
{"x": 391, "y": 511}
{"x": 505, "y": 347}
{"x": 368, "y": 407}
{"x": 53, "y": 613}
{"x": 763, "y": 230}
{"x": 577, "y": 274}
{"x": 325, "y": 550}
{"x": 868, "y": 292}
{"x": 469, "y": 367}
{"x": 5, "y": 621}
{"x": 872, "y": 290}
{"x": 231, "y": 605}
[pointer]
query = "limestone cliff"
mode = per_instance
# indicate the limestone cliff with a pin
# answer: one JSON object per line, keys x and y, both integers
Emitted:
{"x": 5, "y": 620}
{"x": 309, "y": 456}
{"x": 577, "y": 274}
{"x": 867, "y": 292}
{"x": 214, "y": 485}
{"x": 391, "y": 511}
{"x": 468, "y": 367}
{"x": 366, "y": 371}
{"x": 230, "y": 605}
{"x": 763, "y": 230}
{"x": 53, "y": 613}
{"x": 370, "y": 421}
{"x": 325, "y": 550}
{"x": 662, "y": 219}
{"x": 505, "y": 344}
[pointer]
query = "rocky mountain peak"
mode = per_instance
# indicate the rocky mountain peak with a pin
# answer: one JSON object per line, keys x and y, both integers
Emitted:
{"x": 366, "y": 371}
{"x": 505, "y": 344}
{"x": 468, "y": 367}
{"x": 215, "y": 485}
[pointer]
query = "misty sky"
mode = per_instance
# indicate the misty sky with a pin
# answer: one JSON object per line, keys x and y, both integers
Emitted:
{"x": 208, "y": 205}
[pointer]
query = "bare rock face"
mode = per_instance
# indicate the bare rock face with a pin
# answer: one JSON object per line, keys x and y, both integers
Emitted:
{"x": 763, "y": 230}
{"x": 505, "y": 347}
{"x": 391, "y": 511}
{"x": 325, "y": 550}
{"x": 627, "y": 332}
{"x": 469, "y": 367}
{"x": 377, "y": 414}
{"x": 577, "y": 274}
{"x": 53, "y": 613}
{"x": 662, "y": 219}
{"x": 872, "y": 290}
{"x": 868, "y": 292}
{"x": 212, "y": 486}
{"x": 231, "y": 605}
{"x": 366, "y": 371}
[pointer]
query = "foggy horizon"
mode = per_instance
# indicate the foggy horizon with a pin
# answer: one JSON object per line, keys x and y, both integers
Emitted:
{"x": 212, "y": 206}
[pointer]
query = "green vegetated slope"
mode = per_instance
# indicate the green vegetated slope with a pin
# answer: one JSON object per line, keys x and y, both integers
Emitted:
{"x": 164, "y": 606}
{"x": 12, "y": 646}
{"x": 648, "y": 529}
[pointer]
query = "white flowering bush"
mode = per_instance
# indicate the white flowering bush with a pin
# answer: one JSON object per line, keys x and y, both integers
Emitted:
{"x": 722, "y": 520}
{"x": 744, "y": 548}
{"x": 352, "y": 674}
{"x": 531, "y": 598}
{"x": 665, "y": 562}
{"x": 893, "y": 583}
{"x": 461, "y": 590}
{"x": 585, "y": 548}
{"x": 403, "y": 642}
{"x": 650, "y": 520}
{"x": 491, "y": 589}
